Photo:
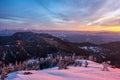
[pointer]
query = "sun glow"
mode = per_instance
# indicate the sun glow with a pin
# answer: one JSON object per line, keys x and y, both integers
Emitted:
{"x": 99, "y": 28}
{"x": 112, "y": 29}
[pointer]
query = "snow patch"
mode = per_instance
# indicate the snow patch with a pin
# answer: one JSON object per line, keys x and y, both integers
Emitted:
{"x": 92, "y": 72}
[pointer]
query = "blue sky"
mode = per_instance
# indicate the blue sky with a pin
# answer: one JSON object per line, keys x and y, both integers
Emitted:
{"x": 60, "y": 14}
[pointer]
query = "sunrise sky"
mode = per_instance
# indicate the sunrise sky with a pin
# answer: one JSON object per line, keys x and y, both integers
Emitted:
{"x": 80, "y": 15}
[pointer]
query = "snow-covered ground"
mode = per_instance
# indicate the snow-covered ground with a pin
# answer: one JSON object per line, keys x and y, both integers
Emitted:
{"x": 92, "y": 72}
{"x": 92, "y": 48}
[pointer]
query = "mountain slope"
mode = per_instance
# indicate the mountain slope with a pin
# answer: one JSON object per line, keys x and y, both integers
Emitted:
{"x": 113, "y": 52}
{"x": 25, "y": 45}
{"x": 93, "y": 72}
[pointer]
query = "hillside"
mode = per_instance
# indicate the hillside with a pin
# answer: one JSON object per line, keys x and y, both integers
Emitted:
{"x": 25, "y": 45}
{"x": 93, "y": 72}
{"x": 113, "y": 52}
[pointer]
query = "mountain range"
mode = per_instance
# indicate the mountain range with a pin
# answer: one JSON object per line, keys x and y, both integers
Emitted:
{"x": 26, "y": 45}
{"x": 74, "y": 36}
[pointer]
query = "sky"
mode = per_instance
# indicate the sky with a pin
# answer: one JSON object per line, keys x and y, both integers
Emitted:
{"x": 77, "y": 15}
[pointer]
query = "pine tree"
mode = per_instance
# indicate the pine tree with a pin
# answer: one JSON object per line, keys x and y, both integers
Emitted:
{"x": 4, "y": 72}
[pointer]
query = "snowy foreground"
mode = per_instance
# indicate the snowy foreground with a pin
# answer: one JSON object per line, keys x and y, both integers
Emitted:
{"x": 93, "y": 72}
